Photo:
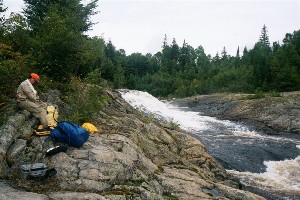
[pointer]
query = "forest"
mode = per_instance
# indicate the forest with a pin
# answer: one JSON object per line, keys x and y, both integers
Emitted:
{"x": 50, "y": 38}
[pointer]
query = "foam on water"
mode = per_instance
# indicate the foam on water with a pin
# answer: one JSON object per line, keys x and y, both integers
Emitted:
{"x": 279, "y": 175}
{"x": 188, "y": 120}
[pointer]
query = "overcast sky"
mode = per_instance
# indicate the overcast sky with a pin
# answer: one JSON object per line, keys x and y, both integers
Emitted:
{"x": 141, "y": 25}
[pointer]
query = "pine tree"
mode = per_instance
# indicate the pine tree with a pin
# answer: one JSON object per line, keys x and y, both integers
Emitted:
{"x": 202, "y": 61}
{"x": 238, "y": 53}
{"x": 174, "y": 51}
{"x": 288, "y": 38}
{"x": 216, "y": 59}
{"x": 165, "y": 43}
{"x": 110, "y": 51}
{"x": 264, "y": 38}
{"x": 245, "y": 51}
{"x": 276, "y": 46}
{"x": 224, "y": 54}
{"x": 184, "y": 55}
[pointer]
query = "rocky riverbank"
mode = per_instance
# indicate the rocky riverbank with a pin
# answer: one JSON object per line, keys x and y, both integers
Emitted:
{"x": 273, "y": 115}
{"x": 132, "y": 157}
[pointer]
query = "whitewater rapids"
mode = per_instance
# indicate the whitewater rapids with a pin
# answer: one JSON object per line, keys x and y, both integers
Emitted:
{"x": 280, "y": 176}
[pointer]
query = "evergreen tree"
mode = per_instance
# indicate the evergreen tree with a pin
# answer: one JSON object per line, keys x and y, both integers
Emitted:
{"x": 216, "y": 59}
{"x": 165, "y": 43}
{"x": 138, "y": 65}
{"x": 295, "y": 40}
{"x": 119, "y": 77}
{"x": 238, "y": 53}
{"x": 224, "y": 54}
{"x": 79, "y": 15}
{"x": 288, "y": 38}
{"x": 276, "y": 46}
{"x": 264, "y": 38}
{"x": 165, "y": 53}
{"x": 202, "y": 61}
{"x": 245, "y": 51}
{"x": 184, "y": 55}
{"x": 175, "y": 51}
{"x": 110, "y": 51}
{"x": 58, "y": 28}
{"x": 93, "y": 55}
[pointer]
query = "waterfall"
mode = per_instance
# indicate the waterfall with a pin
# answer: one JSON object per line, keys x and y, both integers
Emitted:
{"x": 282, "y": 175}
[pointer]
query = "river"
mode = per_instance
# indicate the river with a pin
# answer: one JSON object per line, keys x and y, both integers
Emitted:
{"x": 267, "y": 165}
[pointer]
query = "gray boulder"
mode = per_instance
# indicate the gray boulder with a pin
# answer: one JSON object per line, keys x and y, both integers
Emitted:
{"x": 131, "y": 157}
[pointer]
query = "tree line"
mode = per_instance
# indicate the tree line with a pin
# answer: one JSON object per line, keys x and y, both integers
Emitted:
{"x": 50, "y": 38}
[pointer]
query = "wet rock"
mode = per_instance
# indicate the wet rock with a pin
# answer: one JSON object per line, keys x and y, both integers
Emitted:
{"x": 234, "y": 183}
{"x": 231, "y": 193}
{"x": 212, "y": 192}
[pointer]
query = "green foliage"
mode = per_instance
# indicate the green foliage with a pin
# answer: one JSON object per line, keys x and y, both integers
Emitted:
{"x": 143, "y": 116}
{"x": 119, "y": 77}
{"x": 14, "y": 68}
{"x": 174, "y": 125}
{"x": 50, "y": 40}
{"x": 58, "y": 41}
{"x": 138, "y": 65}
{"x": 37, "y": 11}
{"x": 56, "y": 46}
{"x": 258, "y": 95}
{"x": 91, "y": 55}
{"x": 274, "y": 93}
{"x": 84, "y": 101}
{"x": 16, "y": 33}
{"x": 264, "y": 38}
{"x": 193, "y": 72}
{"x": 94, "y": 77}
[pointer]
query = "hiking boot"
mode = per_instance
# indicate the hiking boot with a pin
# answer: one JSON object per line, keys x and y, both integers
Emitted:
{"x": 44, "y": 129}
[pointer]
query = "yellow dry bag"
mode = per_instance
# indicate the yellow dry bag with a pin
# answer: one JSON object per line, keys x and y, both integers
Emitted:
{"x": 90, "y": 127}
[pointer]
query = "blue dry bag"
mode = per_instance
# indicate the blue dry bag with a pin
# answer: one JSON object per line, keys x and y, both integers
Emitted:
{"x": 70, "y": 133}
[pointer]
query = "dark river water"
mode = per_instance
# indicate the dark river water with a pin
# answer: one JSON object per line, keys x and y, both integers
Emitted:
{"x": 268, "y": 165}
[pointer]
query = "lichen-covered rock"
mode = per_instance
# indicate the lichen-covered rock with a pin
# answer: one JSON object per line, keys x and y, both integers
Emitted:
{"x": 131, "y": 158}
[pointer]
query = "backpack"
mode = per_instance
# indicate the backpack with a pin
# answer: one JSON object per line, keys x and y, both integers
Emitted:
{"x": 70, "y": 133}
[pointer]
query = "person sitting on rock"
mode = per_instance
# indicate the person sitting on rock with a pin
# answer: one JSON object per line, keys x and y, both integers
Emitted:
{"x": 28, "y": 99}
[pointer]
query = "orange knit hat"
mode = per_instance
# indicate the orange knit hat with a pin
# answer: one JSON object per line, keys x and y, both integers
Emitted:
{"x": 35, "y": 77}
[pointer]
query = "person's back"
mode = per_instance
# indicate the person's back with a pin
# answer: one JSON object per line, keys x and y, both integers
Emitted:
{"x": 26, "y": 91}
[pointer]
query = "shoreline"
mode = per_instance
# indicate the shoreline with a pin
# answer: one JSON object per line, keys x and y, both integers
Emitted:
{"x": 268, "y": 115}
{"x": 271, "y": 115}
